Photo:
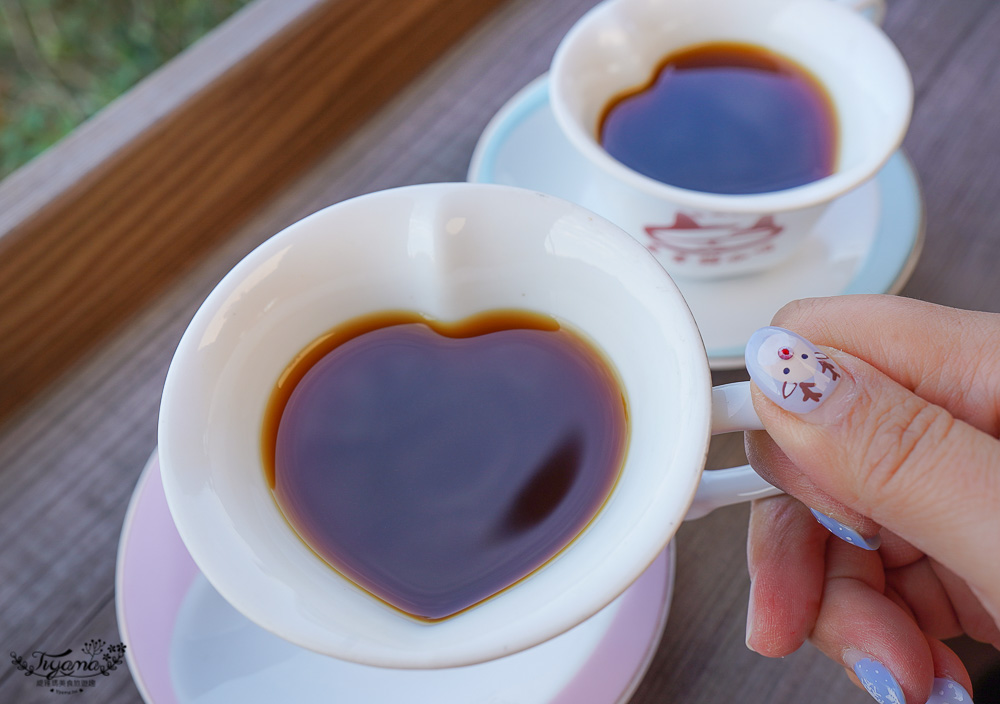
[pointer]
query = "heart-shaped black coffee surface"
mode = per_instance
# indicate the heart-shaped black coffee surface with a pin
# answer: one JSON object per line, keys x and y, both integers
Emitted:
{"x": 436, "y": 466}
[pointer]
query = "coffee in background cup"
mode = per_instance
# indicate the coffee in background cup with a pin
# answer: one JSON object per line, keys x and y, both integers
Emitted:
{"x": 723, "y": 117}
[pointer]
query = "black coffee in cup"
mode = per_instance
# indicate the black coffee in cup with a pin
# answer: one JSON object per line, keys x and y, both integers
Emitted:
{"x": 436, "y": 464}
{"x": 725, "y": 117}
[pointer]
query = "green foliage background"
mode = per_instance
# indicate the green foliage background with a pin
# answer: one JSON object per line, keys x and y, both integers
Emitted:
{"x": 63, "y": 60}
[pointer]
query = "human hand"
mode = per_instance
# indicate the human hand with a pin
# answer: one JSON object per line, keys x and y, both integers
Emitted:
{"x": 888, "y": 427}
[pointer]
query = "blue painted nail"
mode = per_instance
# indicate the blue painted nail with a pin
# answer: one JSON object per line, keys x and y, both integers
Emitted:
{"x": 848, "y": 535}
{"x": 790, "y": 370}
{"x": 947, "y": 691}
{"x": 879, "y": 682}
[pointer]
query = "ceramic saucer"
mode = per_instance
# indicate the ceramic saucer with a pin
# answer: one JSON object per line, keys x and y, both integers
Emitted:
{"x": 186, "y": 645}
{"x": 868, "y": 241}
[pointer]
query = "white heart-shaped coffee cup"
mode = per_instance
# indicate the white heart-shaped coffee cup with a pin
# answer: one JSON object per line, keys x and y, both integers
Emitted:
{"x": 447, "y": 251}
{"x": 618, "y": 46}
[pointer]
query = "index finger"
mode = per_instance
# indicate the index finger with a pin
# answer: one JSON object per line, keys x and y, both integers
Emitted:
{"x": 862, "y": 627}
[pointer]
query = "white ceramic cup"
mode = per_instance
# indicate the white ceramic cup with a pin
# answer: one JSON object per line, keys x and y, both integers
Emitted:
{"x": 448, "y": 251}
{"x": 618, "y": 45}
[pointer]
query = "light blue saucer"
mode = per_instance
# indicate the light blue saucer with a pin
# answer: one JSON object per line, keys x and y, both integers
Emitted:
{"x": 867, "y": 242}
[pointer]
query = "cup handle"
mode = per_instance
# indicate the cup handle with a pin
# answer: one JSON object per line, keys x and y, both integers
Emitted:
{"x": 873, "y": 10}
{"x": 732, "y": 411}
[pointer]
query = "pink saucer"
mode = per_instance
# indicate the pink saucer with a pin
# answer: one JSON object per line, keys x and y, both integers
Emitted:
{"x": 186, "y": 645}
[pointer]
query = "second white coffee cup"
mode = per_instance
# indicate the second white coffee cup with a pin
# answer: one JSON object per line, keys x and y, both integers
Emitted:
{"x": 618, "y": 45}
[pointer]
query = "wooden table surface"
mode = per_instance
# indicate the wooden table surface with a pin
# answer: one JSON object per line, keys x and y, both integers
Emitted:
{"x": 69, "y": 458}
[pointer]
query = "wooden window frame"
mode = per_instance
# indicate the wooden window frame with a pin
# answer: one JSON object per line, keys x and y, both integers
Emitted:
{"x": 96, "y": 226}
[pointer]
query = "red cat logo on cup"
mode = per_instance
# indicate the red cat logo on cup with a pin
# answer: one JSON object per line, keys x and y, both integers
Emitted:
{"x": 713, "y": 242}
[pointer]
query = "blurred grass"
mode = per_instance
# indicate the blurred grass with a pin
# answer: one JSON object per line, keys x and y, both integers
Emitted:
{"x": 63, "y": 60}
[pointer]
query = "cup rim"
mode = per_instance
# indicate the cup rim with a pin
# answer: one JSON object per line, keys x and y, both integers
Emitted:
{"x": 195, "y": 503}
{"x": 810, "y": 194}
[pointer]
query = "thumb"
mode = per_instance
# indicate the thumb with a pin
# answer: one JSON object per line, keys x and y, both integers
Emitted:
{"x": 884, "y": 452}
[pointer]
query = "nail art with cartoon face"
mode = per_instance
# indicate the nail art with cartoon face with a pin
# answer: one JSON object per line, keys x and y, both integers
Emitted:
{"x": 790, "y": 370}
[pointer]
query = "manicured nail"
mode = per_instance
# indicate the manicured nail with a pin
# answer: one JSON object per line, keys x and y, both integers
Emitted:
{"x": 848, "y": 535}
{"x": 876, "y": 679}
{"x": 947, "y": 691}
{"x": 790, "y": 370}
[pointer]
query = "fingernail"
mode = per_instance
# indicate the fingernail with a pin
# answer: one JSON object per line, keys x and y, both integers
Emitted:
{"x": 848, "y": 535}
{"x": 947, "y": 691}
{"x": 875, "y": 678}
{"x": 790, "y": 370}
{"x": 750, "y": 619}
